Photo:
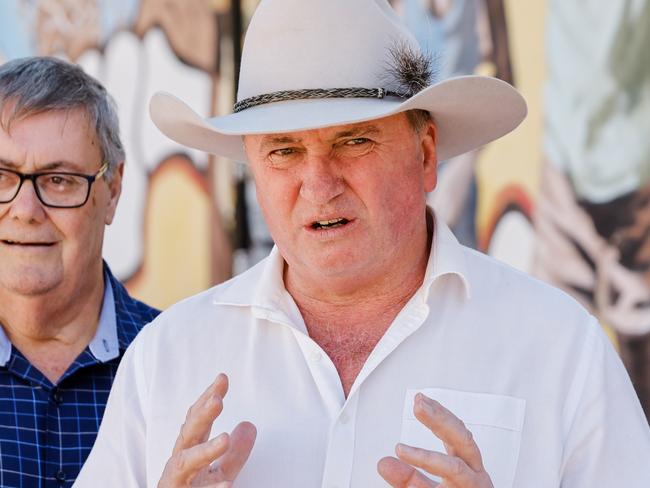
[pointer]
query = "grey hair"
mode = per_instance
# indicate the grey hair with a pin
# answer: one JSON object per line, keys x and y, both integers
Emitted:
{"x": 418, "y": 119}
{"x": 33, "y": 85}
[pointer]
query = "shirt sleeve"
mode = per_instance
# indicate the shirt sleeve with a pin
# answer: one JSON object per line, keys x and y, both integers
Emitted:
{"x": 118, "y": 456}
{"x": 608, "y": 438}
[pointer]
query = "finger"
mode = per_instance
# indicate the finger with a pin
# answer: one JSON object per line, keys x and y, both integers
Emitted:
{"x": 400, "y": 475}
{"x": 450, "y": 468}
{"x": 184, "y": 466}
{"x": 202, "y": 414}
{"x": 450, "y": 429}
{"x": 242, "y": 439}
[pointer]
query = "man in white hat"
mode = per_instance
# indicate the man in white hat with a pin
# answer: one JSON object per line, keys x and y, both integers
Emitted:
{"x": 368, "y": 327}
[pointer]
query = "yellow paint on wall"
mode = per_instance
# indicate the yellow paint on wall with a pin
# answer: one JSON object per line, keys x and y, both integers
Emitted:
{"x": 177, "y": 236}
{"x": 516, "y": 158}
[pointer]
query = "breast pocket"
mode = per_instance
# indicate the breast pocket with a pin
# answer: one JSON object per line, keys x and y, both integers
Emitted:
{"x": 496, "y": 422}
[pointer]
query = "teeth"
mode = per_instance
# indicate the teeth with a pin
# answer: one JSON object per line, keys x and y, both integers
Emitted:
{"x": 329, "y": 222}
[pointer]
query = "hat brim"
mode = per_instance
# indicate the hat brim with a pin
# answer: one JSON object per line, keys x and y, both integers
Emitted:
{"x": 469, "y": 111}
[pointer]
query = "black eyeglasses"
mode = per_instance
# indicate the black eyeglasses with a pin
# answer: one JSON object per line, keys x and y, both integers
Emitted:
{"x": 53, "y": 189}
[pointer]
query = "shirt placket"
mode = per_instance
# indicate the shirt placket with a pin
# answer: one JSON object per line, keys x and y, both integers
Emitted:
{"x": 55, "y": 474}
{"x": 339, "y": 461}
{"x": 340, "y": 453}
{"x": 342, "y": 413}
{"x": 323, "y": 372}
{"x": 340, "y": 449}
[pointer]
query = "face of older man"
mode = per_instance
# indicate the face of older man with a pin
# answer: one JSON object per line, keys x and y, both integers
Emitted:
{"x": 41, "y": 248}
{"x": 346, "y": 202}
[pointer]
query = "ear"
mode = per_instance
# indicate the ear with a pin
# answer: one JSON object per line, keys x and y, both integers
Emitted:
{"x": 428, "y": 137}
{"x": 115, "y": 190}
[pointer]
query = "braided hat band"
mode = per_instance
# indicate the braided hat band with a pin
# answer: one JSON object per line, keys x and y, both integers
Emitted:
{"x": 291, "y": 52}
{"x": 315, "y": 93}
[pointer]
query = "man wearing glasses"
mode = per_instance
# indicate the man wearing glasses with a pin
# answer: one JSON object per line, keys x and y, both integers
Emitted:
{"x": 65, "y": 321}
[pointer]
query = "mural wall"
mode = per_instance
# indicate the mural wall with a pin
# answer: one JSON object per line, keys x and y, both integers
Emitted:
{"x": 170, "y": 237}
{"x": 565, "y": 197}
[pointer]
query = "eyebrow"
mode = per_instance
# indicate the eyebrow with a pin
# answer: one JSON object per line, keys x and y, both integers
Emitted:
{"x": 358, "y": 131}
{"x": 5, "y": 162}
{"x": 353, "y": 132}
{"x": 274, "y": 140}
{"x": 58, "y": 165}
{"x": 54, "y": 165}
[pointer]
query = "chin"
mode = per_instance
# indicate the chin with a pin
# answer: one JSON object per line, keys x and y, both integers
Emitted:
{"x": 30, "y": 282}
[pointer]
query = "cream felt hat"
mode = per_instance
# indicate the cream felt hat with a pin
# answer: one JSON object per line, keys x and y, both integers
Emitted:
{"x": 308, "y": 64}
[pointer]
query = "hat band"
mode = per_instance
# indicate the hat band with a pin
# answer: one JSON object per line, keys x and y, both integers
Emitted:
{"x": 310, "y": 94}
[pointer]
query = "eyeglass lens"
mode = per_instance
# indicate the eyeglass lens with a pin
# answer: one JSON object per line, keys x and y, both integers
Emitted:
{"x": 57, "y": 189}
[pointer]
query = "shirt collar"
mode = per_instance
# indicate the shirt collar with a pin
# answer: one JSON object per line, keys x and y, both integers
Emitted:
{"x": 262, "y": 287}
{"x": 104, "y": 346}
{"x": 5, "y": 348}
{"x": 446, "y": 258}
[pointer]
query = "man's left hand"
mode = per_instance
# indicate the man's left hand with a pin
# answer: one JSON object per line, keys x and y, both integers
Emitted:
{"x": 460, "y": 467}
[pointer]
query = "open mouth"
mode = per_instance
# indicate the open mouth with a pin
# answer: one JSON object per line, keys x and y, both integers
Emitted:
{"x": 329, "y": 224}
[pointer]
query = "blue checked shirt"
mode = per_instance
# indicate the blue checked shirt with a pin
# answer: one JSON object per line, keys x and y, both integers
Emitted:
{"x": 46, "y": 430}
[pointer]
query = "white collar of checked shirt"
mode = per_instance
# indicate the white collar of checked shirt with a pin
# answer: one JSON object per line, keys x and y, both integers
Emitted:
{"x": 104, "y": 346}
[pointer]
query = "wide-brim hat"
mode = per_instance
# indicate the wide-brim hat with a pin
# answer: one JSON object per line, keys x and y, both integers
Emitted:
{"x": 308, "y": 64}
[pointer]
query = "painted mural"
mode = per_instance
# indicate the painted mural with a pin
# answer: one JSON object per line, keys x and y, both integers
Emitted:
{"x": 593, "y": 214}
{"x": 565, "y": 197}
{"x": 170, "y": 235}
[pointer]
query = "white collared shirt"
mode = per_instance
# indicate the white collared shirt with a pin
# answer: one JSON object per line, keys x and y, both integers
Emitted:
{"x": 527, "y": 369}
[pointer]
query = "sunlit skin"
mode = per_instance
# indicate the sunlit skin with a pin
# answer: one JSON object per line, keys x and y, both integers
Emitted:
{"x": 51, "y": 283}
{"x": 373, "y": 174}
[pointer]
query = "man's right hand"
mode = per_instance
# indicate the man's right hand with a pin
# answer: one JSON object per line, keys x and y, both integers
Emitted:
{"x": 197, "y": 461}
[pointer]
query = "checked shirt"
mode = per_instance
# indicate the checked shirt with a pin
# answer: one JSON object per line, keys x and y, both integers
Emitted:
{"x": 46, "y": 430}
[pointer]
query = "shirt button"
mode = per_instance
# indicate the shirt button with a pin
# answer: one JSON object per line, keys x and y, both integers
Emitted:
{"x": 60, "y": 475}
{"x": 57, "y": 397}
{"x": 344, "y": 418}
{"x": 316, "y": 356}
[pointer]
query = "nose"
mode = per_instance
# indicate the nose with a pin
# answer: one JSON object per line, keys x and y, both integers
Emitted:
{"x": 26, "y": 206}
{"x": 321, "y": 181}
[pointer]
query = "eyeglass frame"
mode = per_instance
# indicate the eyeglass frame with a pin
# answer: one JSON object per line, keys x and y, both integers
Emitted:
{"x": 32, "y": 177}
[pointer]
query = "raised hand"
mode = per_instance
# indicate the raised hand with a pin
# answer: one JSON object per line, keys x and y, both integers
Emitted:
{"x": 460, "y": 467}
{"x": 199, "y": 461}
